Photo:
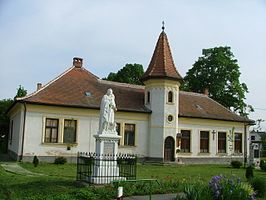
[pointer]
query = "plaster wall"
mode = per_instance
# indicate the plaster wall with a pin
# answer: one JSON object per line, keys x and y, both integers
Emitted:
{"x": 15, "y": 132}
{"x": 87, "y": 126}
{"x": 197, "y": 125}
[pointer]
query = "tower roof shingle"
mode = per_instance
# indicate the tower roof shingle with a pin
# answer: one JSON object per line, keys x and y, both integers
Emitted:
{"x": 162, "y": 63}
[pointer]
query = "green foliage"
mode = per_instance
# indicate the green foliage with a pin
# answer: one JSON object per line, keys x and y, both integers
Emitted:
{"x": 35, "y": 161}
{"x": 195, "y": 192}
{"x": 4, "y": 105}
{"x": 249, "y": 172}
{"x": 259, "y": 186}
{"x": 263, "y": 165}
{"x": 130, "y": 73}
{"x": 236, "y": 164}
{"x": 217, "y": 70}
{"x": 230, "y": 189}
{"x": 21, "y": 92}
{"x": 60, "y": 160}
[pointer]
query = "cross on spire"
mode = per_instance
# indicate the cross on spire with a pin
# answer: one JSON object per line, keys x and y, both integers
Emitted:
{"x": 163, "y": 26}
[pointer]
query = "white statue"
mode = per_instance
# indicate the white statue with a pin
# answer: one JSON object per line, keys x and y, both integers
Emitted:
{"x": 107, "y": 112}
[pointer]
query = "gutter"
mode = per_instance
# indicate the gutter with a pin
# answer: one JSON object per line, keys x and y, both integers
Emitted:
{"x": 23, "y": 132}
{"x": 245, "y": 144}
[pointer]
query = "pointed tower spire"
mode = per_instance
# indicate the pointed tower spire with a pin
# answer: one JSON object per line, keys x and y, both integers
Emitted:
{"x": 162, "y": 63}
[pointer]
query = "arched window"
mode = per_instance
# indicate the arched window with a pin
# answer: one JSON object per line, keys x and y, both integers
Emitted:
{"x": 148, "y": 97}
{"x": 170, "y": 97}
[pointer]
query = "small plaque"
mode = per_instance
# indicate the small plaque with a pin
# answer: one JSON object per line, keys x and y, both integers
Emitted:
{"x": 108, "y": 148}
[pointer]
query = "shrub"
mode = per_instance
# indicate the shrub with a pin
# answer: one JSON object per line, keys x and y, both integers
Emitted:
{"x": 263, "y": 165}
{"x": 230, "y": 189}
{"x": 249, "y": 172}
{"x": 259, "y": 186}
{"x": 236, "y": 164}
{"x": 195, "y": 192}
{"x": 60, "y": 160}
{"x": 35, "y": 161}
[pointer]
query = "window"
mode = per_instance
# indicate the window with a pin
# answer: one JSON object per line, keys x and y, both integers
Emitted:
{"x": 170, "y": 97}
{"x": 170, "y": 118}
{"x": 70, "y": 131}
{"x": 129, "y": 135}
{"x": 185, "y": 141}
{"x": 221, "y": 142}
{"x": 11, "y": 132}
{"x": 148, "y": 97}
{"x": 253, "y": 137}
{"x": 204, "y": 141}
{"x": 256, "y": 153}
{"x": 51, "y": 130}
{"x": 238, "y": 143}
{"x": 118, "y": 125}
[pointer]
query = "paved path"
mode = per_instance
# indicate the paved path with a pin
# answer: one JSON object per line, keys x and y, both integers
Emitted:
{"x": 13, "y": 167}
{"x": 153, "y": 197}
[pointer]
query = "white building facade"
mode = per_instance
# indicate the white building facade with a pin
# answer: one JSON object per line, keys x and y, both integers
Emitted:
{"x": 157, "y": 121}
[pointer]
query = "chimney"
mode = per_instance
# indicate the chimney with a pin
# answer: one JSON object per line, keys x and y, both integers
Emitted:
{"x": 77, "y": 62}
{"x": 39, "y": 86}
{"x": 206, "y": 91}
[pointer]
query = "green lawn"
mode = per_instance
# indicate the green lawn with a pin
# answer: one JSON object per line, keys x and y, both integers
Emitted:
{"x": 58, "y": 181}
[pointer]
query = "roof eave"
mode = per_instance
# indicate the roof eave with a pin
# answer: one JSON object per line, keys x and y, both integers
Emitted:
{"x": 180, "y": 80}
{"x": 80, "y": 106}
{"x": 248, "y": 121}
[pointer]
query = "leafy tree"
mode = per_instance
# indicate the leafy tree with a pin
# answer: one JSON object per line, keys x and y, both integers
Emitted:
{"x": 130, "y": 73}
{"x": 218, "y": 72}
{"x": 21, "y": 92}
{"x": 4, "y": 124}
{"x": 4, "y": 105}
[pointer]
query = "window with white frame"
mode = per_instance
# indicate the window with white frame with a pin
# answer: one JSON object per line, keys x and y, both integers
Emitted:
{"x": 238, "y": 142}
{"x": 170, "y": 97}
{"x": 60, "y": 131}
{"x": 129, "y": 135}
{"x": 127, "y": 132}
{"x": 221, "y": 142}
{"x": 185, "y": 141}
{"x": 148, "y": 97}
{"x": 118, "y": 127}
{"x": 70, "y": 131}
{"x": 51, "y": 130}
{"x": 204, "y": 141}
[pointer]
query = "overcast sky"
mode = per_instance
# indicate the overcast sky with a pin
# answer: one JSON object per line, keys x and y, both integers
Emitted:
{"x": 40, "y": 38}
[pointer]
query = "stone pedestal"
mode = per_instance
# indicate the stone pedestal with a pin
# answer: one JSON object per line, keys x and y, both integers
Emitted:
{"x": 105, "y": 167}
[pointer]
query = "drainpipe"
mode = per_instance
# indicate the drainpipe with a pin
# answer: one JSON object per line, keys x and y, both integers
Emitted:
{"x": 245, "y": 144}
{"x": 23, "y": 132}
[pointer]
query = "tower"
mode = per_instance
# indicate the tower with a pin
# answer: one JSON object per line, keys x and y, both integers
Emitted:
{"x": 162, "y": 82}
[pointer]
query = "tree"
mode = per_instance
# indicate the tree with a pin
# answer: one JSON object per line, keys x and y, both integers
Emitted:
{"x": 21, "y": 92}
{"x": 217, "y": 72}
{"x": 4, "y": 124}
{"x": 130, "y": 73}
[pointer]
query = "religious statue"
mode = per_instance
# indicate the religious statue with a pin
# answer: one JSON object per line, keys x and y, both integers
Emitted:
{"x": 107, "y": 112}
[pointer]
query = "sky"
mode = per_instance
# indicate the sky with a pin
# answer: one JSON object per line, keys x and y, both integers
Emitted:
{"x": 40, "y": 38}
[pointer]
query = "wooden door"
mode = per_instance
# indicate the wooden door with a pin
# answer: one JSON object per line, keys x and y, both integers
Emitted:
{"x": 169, "y": 145}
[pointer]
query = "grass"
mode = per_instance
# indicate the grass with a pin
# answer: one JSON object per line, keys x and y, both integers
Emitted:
{"x": 58, "y": 181}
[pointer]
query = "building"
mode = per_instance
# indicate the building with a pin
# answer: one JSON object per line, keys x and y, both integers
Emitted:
{"x": 255, "y": 145}
{"x": 157, "y": 121}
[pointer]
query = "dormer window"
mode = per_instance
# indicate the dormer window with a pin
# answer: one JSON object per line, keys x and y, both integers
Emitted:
{"x": 170, "y": 97}
{"x": 148, "y": 97}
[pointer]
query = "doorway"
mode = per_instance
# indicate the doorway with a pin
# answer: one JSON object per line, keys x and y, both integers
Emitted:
{"x": 169, "y": 154}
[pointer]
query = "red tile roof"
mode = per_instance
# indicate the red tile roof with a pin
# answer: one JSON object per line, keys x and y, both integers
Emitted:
{"x": 162, "y": 64}
{"x": 196, "y": 105}
{"x": 77, "y": 87}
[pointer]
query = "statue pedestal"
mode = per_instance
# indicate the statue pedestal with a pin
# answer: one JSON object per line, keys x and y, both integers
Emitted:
{"x": 107, "y": 143}
{"x": 105, "y": 168}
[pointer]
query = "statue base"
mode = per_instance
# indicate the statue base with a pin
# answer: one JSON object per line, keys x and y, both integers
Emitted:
{"x": 105, "y": 168}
